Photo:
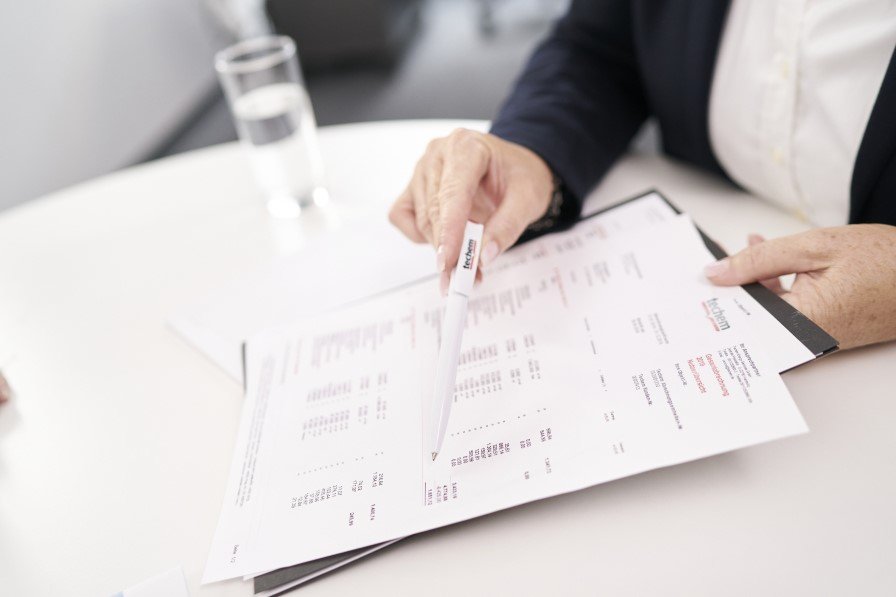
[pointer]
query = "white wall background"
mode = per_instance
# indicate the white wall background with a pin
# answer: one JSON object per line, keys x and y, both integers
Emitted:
{"x": 90, "y": 86}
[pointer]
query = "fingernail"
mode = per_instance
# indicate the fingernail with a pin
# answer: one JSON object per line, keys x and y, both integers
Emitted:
{"x": 714, "y": 270}
{"x": 754, "y": 239}
{"x": 489, "y": 253}
{"x": 440, "y": 258}
{"x": 443, "y": 283}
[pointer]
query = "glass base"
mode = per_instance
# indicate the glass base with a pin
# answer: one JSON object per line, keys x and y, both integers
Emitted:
{"x": 287, "y": 207}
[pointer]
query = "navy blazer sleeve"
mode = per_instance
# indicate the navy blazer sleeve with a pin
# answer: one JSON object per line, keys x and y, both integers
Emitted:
{"x": 579, "y": 100}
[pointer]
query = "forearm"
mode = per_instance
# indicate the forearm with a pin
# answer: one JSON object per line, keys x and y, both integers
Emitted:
{"x": 579, "y": 100}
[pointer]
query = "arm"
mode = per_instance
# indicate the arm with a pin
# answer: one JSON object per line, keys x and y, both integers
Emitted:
{"x": 579, "y": 101}
{"x": 574, "y": 110}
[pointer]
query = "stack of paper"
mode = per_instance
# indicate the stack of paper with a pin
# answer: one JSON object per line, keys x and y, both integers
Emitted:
{"x": 589, "y": 355}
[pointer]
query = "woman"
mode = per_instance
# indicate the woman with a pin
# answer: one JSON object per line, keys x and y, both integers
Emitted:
{"x": 793, "y": 100}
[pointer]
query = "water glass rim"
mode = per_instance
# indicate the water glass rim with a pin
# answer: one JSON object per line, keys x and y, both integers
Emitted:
{"x": 281, "y": 48}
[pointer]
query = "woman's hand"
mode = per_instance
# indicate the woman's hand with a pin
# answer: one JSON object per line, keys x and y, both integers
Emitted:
{"x": 845, "y": 278}
{"x": 472, "y": 176}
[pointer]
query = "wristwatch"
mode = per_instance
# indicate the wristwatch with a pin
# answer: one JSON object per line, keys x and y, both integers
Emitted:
{"x": 552, "y": 216}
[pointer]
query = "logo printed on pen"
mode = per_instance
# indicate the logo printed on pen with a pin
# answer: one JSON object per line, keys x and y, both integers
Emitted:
{"x": 471, "y": 251}
{"x": 716, "y": 315}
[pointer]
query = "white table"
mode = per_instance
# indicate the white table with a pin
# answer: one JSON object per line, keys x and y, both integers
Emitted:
{"x": 114, "y": 455}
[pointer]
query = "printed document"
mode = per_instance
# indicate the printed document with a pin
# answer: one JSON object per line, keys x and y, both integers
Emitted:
{"x": 588, "y": 355}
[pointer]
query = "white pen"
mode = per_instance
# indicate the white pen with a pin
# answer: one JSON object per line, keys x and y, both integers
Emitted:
{"x": 453, "y": 330}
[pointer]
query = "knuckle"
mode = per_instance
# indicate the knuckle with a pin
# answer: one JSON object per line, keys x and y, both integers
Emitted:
{"x": 430, "y": 179}
{"x": 752, "y": 260}
{"x": 817, "y": 245}
{"x": 474, "y": 144}
{"x": 747, "y": 262}
{"x": 459, "y": 134}
{"x": 467, "y": 141}
{"x": 480, "y": 150}
{"x": 433, "y": 211}
{"x": 822, "y": 252}
{"x": 450, "y": 193}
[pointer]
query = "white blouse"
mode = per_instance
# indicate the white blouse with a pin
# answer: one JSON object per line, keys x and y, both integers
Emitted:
{"x": 794, "y": 85}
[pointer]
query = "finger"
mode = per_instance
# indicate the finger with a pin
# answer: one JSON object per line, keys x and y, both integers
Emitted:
{"x": 754, "y": 239}
{"x": 402, "y": 217}
{"x": 769, "y": 259}
{"x": 432, "y": 181}
{"x": 466, "y": 163}
{"x": 773, "y": 284}
{"x": 418, "y": 195}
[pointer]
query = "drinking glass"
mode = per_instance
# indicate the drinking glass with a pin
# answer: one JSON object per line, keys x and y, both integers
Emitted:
{"x": 275, "y": 122}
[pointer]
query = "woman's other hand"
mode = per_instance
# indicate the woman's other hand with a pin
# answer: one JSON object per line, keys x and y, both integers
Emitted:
{"x": 845, "y": 278}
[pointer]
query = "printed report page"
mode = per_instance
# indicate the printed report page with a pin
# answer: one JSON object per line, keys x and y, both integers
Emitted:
{"x": 588, "y": 355}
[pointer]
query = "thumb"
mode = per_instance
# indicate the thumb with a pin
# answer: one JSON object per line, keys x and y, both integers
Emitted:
{"x": 505, "y": 227}
{"x": 769, "y": 259}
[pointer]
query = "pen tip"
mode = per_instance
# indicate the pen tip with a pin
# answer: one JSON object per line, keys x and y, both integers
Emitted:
{"x": 434, "y": 454}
